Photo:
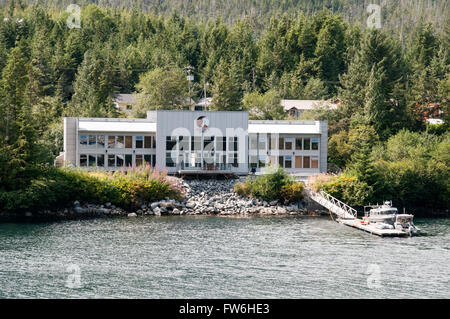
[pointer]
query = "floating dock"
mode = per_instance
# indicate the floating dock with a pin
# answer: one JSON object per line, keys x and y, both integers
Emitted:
{"x": 372, "y": 229}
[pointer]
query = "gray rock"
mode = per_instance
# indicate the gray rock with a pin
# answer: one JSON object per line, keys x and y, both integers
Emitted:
{"x": 154, "y": 205}
{"x": 132, "y": 215}
{"x": 176, "y": 211}
{"x": 157, "y": 211}
{"x": 76, "y": 203}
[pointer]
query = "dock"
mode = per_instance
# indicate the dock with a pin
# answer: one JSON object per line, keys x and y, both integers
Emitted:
{"x": 370, "y": 228}
{"x": 348, "y": 216}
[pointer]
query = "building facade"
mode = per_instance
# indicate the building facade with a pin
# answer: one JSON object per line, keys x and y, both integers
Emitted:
{"x": 196, "y": 141}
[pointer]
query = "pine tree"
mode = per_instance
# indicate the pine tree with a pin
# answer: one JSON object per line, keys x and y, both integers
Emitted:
{"x": 227, "y": 88}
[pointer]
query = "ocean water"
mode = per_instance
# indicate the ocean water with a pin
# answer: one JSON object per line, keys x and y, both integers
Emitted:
{"x": 217, "y": 257}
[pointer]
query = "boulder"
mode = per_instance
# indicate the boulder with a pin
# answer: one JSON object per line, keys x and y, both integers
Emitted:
{"x": 132, "y": 215}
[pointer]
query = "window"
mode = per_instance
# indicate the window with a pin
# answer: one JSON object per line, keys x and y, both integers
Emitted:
{"x": 288, "y": 162}
{"x": 196, "y": 143}
{"x": 315, "y": 144}
{"x": 147, "y": 159}
{"x": 111, "y": 141}
{"x": 262, "y": 161}
{"x": 314, "y": 162}
{"x": 169, "y": 160}
{"x": 281, "y": 161}
{"x": 139, "y": 141}
{"x": 221, "y": 143}
{"x": 119, "y": 160}
{"x": 128, "y": 160}
{"x": 101, "y": 141}
{"x": 233, "y": 144}
{"x": 129, "y": 107}
{"x": 83, "y": 141}
{"x": 298, "y": 162}
{"x": 253, "y": 162}
{"x": 148, "y": 142}
{"x": 262, "y": 143}
{"x": 153, "y": 160}
{"x": 184, "y": 143}
{"x": 252, "y": 142}
{"x": 233, "y": 159}
{"x": 111, "y": 160}
{"x": 171, "y": 143}
{"x": 100, "y": 160}
{"x": 208, "y": 143}
{"x": 306, "y": 163}
{"x": 272, "y": 142}
{"x": 92, "y": 141}
{"x": 281, "y": 143}
{"x": 128, "y": 141}
{"x": 92, "y": 160}
{"x": 307, "y": 144}
{"x": 288, "y": 143}
{"x": 83, "y": 160}
{"x": 298, "y": 143}
{"x": 119, "y": 142}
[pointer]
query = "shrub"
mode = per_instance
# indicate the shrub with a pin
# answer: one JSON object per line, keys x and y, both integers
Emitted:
{"x": 292, "y": 193}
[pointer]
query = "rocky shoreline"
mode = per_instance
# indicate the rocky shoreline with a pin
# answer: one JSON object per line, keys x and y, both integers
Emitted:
{"x": 202, "y": 197}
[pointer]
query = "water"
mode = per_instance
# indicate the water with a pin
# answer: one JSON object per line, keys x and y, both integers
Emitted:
{"x": 213, "y": 257}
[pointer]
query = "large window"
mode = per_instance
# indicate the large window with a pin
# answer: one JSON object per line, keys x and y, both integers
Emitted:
{"x": 208, "y": 143}
{"x": 306, "y": 162}
{"x": 184, "y": 143}
{"x": 128, "y": 160}
{"x": 288, "y": 162}
{"x": 111, "y": 141}
{"x": 92, "y": 141}
{"x": 298, "y": 143}
{"x": 281, "y": 143}
{"x": 307, "y": 144}
{"x": 262, "y": 161}
{"x": 119, "y": 160}
{"x": 128, "y": 141}
{"x": 253, "y": 141}
{"x": 221, "y": 143}
{"x": 139, "y": 141}
{"x": 253, "y": 162}
{"x": 288, "y": 143}
{"x": 314, "y": 162}
{"x": 148, "y": 141}
{"x": 100, "y": 160}
{"x": 262, "y": 142}
{"x": 170, "y": 160}
{"x": 111, "y": 160}
{"x": 315, "y": 144}
{"x": 83, "y": 160}
{"x": 171, "y": 143}
{"x": 119, "y": 142}
{"x": 196, "y": 143}
{"x": 84, "y": 141}
{"x": 233, "y": 144}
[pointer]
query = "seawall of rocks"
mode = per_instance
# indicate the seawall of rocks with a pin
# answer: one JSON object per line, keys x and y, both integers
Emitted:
{"x": 203, "y": 197}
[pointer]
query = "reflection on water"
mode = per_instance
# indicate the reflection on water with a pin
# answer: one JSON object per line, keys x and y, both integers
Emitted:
{"x": 213, "y": 257}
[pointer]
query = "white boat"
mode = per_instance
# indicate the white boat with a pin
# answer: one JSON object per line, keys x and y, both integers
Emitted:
{"x": 387, "y": 217}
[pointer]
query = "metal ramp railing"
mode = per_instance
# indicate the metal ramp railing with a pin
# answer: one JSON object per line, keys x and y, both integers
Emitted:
{"x": 333, "y": 204}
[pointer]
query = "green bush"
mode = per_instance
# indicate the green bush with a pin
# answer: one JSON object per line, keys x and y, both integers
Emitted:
{"x": 274, "y": 184}
{"x": 348, "y": 189}
{"x": 58, "y": 187}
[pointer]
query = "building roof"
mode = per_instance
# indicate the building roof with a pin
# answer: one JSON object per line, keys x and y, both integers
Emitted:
{"x": 306, "y": 104}
{"x": 284, "y": 127}
{"x": 125, "y": 98}
{"x": 109, "y": 125}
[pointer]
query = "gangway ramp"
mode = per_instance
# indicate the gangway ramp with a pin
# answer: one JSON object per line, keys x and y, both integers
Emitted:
{"x": 337, "y": 207}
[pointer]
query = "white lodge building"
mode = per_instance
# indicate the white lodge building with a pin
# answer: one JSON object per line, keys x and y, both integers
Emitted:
{"x": 196, "y": 142}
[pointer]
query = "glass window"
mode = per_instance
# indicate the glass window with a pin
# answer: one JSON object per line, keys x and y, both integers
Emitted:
{"x": 233, "y": 144}
{"x": 92, "y": 141}
{"x": 111, "y": 141}
{"x": 307, "y": 144}
{"x": 288, "y": 161}
{"x": 221, "y": 143}
{"x": 208, "y": 143}
{"x": 119, "y": 142}
{"x": 315, "y": 144}
{"x": 281, "y": 161}
{"x": 128, "y": 160}
{"x": 314, "y": 162}
{"x": 306, "y": 163}
{"x": 92, "y": 160}
{"x": 262, "y": 161}
{"x": 147, "y": 142}
{"x": 119, "y": 160}
{"x": 184, "y": 143}
{"x": 262, "y": 143}
{"x": 128, "y": 141}
{"x": 153, "y": 160}
{"x": 83, "y": 141}
{"x": 101, "y": 141}
{"x": 252, "y": 142}
{"x": 83, "y": 160}
{"x": 111, "y": 160}
{"x": 147, "y": 159}
{"x": 196, "y": 143}
{"x": 234, "y": 159}
{"x": 139, "y": 142}
{"x": 298, "y": 162}
{"x": 169, "y": 160}
{"x": 288, "y": 143}
{"x": 272, "y": 143}
{"x": 100, "y": 160}
{"x": 298, "y": 143}
{"x": 171, "y": 143}
{"x": 253, "y": 162}
{"x": 281, "y": 143}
